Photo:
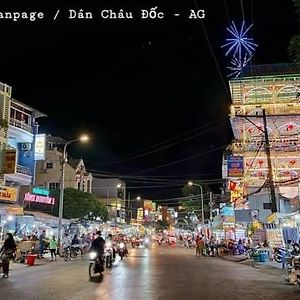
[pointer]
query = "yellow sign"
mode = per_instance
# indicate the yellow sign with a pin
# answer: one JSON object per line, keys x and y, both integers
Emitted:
{"x": 140, "y": 214}
{"x": 271, "y": 218}
{"x": 236, "y": 194}
{"x": 8, "y": 193}
{"x": 10, "y": 162}
{"x": 15, "y": 211}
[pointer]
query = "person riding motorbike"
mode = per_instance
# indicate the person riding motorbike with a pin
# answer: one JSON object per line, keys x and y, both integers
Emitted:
{"x": 111, "y": 240}
{"x": 98, "y": 244}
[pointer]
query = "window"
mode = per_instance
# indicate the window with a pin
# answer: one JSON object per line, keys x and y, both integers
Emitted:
{"x": 54, "y": 186}
{"x": 88, "y": 185}
{"x": 78, "y": 185}
{"x": 49, "y": 165}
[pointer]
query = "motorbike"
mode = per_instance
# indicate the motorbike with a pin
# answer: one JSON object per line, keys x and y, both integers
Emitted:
{"x": 146, "y": 242}
{"x": 78, "y": 249}
{"x": 122, "y": 250}
{"x": 108, "y": 254}
{"x": 96, "y": 265}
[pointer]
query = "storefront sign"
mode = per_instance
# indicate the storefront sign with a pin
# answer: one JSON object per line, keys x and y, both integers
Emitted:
{"x": 8, "y": 193}
{"x": 17, "y": 211}
{"x": 140, "y": 214}
{"x": 40, "y": 147}
{"x": 10, "y": 162}
{"x": 39, "y": 199}
{"x": 40, "y": 191}
{"x": 235, "y": 166}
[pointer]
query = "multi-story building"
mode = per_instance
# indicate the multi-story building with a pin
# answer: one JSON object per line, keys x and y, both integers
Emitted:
{"x": 112, "y": 193}
{"x": 48, "y": 171}
{"x": 276, "y": 90}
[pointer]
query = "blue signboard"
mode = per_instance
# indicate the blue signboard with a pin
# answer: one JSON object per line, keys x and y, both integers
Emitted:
{"x": 235, "y": 166}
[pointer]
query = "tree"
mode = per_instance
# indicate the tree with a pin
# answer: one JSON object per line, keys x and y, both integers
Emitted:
{"x": 294, "y": 47}
{"x": 80, "y": 205}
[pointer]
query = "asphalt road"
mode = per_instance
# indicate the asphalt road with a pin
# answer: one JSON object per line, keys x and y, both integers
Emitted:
{"x": 157, "y": 273}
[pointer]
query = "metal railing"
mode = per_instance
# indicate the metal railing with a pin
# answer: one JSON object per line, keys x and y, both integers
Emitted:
{"x": 20, "y": 124}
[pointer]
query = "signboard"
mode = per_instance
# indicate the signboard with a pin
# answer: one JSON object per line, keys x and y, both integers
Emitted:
{"x": 40, "y": 147}
{"x": 40, "y": 191}
{"x": 140, "y": 214}
{"x": 15, "y": 211}
{"x": 10, "y": 162}
{"x": 147, "y": 205}
{"x": 238, "y": 193}
{"x": 38, "y": 198}
{"x": 228, "y": 215}
{"x": 267, "y": 205}
{"x": 235, "y": 166}
{"x": 8, "y": 193}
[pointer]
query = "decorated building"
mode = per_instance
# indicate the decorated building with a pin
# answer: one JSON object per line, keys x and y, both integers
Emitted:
{"x": 274, "y": 89}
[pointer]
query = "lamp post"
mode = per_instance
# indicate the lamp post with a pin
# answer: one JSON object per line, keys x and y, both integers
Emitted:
{"x": 190, "y": 183}
{"x": 83, "y": 138}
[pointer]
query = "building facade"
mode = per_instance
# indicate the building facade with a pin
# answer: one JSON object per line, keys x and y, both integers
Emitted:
{"x": 274, "y": 89}
{"x": 48, "y": 172}
{"x": 112, "y": 193}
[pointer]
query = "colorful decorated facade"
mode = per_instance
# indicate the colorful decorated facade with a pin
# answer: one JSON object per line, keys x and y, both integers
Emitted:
{"x": 275, "y": 89}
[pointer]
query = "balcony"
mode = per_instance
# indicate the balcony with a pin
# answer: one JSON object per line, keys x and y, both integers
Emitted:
{"x": 20, "y": 124}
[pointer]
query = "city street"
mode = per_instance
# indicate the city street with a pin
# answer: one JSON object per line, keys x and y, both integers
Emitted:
{"x": 157, "y": 273}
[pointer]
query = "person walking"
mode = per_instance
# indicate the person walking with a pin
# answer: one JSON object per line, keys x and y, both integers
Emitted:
{"x": 7, "y": 251}
{"x": 42, "y": 244}
{"x": 53, "y": 247}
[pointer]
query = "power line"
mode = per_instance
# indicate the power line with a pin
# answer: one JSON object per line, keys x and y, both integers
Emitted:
{"x": 180, "y": 160}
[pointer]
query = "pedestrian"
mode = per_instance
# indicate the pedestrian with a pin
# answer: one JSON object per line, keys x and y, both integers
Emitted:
{"x": 42, "y": 243}
{"x": 53, "y": 247}
{"x": 7, "y": 251}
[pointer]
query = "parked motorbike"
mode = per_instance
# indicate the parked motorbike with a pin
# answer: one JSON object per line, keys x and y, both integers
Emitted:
{"x": 96, "y": 265}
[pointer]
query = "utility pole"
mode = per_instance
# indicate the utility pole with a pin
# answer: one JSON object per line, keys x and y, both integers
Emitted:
{"x": 270, "y": 170}
{"x": 210, "y": 208}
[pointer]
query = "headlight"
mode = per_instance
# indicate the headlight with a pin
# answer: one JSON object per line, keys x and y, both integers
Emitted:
{"x": 93, "y": 255}
{"x": 121, "y": 245}
{"x": 146, "y": 240}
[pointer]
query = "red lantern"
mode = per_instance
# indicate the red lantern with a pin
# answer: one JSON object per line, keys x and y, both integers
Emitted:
{"x": 232, "y": 185}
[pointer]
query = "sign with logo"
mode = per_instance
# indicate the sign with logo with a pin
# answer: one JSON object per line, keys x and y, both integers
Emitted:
{"x": 39, "y": 198}
{"x": 235, "y": 166}
{"x": 8, "y": 193}
{"x": 40, "y": 147}
{"x": 10, "y": 158}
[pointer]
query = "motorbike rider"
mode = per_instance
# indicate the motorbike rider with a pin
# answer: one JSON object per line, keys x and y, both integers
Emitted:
{"x": 111, "y": 240}
{"x": 98, "y": 244}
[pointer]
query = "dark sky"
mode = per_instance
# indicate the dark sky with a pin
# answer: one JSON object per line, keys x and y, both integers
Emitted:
{"x": 136, "y": 84}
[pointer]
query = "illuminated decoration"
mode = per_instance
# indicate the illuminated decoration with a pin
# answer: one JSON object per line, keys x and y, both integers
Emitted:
{"x": 40, "y": 191}
{"x": 240, "y": 47}
{"x": 277, "y": 95}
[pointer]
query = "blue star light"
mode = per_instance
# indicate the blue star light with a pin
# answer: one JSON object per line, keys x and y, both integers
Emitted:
{"x": 240, "y": 47}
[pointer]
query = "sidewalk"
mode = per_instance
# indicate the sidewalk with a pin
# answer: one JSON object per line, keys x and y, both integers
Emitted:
{"x": 269, "y": 266}
{"x": 38, "y": 262}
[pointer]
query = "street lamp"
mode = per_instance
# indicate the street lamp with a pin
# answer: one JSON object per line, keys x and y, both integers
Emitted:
{"x": 83, "y": 138}
{"x": 190, "y": 183}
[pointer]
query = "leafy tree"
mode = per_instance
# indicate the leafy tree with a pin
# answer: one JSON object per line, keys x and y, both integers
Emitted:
{"x": 294, "y": 47}
{"x": 80, "y": 205}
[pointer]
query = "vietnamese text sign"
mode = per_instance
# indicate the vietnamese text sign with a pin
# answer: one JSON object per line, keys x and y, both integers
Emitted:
{"x": 38, "y": 198}
{"x": 235, "y": 166}
{"x": 15, "y": 211}
{"x": 40, "y": 147}
{"x": 8, "y": 193}
{"x": 40, "y": 191}
{"x": 10, "y": 162}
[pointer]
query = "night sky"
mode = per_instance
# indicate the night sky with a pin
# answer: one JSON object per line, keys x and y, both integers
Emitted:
{"x": 138, "y": 86}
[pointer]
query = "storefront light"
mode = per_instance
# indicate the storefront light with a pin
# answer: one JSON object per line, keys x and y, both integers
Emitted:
{"x": 10, "y": 218}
